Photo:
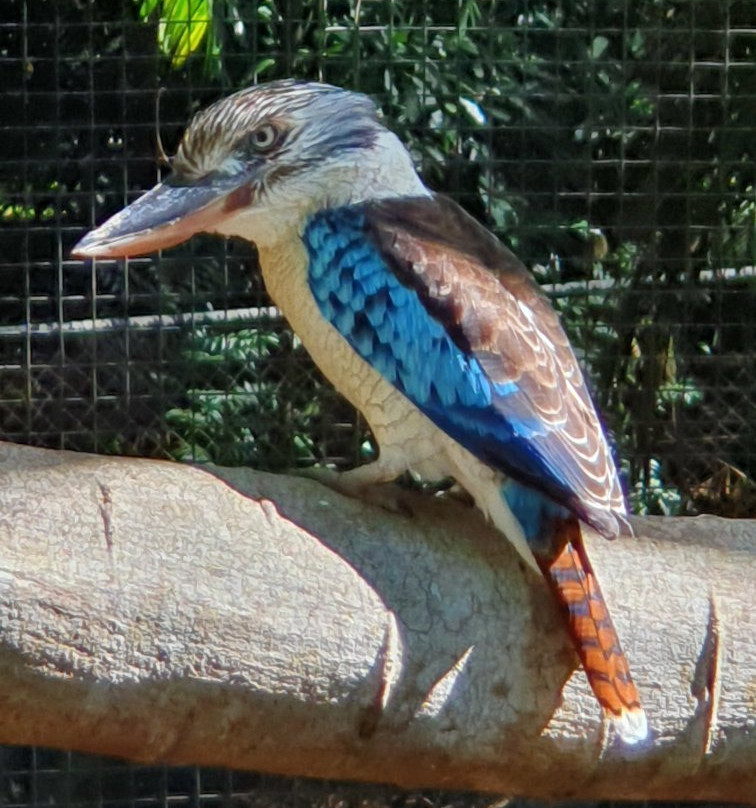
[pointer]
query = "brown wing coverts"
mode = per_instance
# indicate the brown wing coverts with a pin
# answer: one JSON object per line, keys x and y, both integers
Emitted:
{"x": 492, "y": 308}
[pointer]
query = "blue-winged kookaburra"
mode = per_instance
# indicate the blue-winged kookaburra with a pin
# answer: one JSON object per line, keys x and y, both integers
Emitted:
{"x": 420, "y": 317}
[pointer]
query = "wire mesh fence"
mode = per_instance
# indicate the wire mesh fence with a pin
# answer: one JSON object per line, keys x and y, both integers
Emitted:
{"x": 610, "y": 144}
{"x": 36, "y": 777}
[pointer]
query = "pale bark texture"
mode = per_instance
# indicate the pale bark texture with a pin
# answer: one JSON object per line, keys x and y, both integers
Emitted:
{"x": 161, "y": 612}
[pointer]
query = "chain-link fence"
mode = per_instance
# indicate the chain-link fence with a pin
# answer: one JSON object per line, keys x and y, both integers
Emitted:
{"x": 610, "y": 144}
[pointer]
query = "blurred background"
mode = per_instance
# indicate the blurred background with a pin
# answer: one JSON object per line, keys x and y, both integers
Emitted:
{"x": 609, "y": 144}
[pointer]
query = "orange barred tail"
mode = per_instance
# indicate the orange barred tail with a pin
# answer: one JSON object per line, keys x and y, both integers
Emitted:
{"x": 577, "y": 590}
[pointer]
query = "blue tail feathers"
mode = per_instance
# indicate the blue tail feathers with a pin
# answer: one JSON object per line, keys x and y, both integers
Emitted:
{"x": 535, "y": 512}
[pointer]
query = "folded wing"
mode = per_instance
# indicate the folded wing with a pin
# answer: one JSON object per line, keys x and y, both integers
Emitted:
{"x": 450, "y": 316}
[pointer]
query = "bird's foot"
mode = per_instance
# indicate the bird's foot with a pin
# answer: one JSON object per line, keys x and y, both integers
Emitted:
{"x": 387, "y": 495}
{"x": 458, "y": 494}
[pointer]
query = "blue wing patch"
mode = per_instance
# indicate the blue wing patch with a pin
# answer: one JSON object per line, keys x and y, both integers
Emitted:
{"x": 388, "y": 325}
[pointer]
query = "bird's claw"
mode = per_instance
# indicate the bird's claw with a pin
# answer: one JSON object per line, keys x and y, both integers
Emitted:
{"x": 389, "y": 496}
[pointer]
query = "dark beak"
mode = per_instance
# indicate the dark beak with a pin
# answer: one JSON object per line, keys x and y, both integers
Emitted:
{"x": 167, "y": 215}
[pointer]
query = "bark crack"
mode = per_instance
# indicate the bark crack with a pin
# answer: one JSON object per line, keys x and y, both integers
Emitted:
{"x": 440, "y": 691}
{"x": 106, "y": 513}
{"x": 706, "y": 685}
{"x": 389, "y": 666}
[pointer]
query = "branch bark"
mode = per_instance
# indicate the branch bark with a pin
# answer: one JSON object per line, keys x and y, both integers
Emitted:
{"x": 161, "y": 612}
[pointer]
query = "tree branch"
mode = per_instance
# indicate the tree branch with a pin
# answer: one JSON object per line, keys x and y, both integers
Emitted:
{"x": 154, "y": 611}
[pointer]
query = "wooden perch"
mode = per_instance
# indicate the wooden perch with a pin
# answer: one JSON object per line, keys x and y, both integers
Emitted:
{"x": 161, "y": 612}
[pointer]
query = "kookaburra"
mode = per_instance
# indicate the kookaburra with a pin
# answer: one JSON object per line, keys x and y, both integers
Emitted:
{"x": 420, "y": 317}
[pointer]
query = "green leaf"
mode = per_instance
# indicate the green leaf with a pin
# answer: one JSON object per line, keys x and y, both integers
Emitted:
{"x": 146, "y": 7}
{"x": 473, "y": 110}
{"x": 182, "y": 27}
{"x": 599, "y": 46}
{"x": 264, "y": 65}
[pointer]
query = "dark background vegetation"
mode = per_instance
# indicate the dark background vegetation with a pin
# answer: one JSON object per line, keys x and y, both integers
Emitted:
{"x": 610, "y": 144}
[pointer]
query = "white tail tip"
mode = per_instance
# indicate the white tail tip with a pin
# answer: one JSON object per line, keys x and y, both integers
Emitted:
{"x": 631, "y": 725}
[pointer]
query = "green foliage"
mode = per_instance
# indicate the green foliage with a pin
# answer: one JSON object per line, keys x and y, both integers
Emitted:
{"x": 610, "y": 144}
{"x": 183, "y": 26}
{"x": 237, "y": 412}
{"x": 653, "y": 495}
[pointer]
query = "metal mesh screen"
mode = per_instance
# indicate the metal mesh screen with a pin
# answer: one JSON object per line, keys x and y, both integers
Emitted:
{"x": 610, "y": 144}
{"x": 35, "y": 777}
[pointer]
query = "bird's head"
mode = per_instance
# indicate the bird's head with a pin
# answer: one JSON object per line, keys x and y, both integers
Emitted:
{"x": 256, "y": 164}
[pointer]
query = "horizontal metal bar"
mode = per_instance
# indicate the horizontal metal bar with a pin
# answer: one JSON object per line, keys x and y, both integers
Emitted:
{"x": 256, "y": 313}
{"x": 143, "y": 322}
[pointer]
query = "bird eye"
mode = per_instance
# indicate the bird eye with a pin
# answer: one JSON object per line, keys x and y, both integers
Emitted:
{"x": 264, "y": 137}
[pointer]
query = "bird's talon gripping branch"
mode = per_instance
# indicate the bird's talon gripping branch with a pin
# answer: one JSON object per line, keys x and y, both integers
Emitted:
{"x": 389, "y": 496}
{"x": 419, "y": 316}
